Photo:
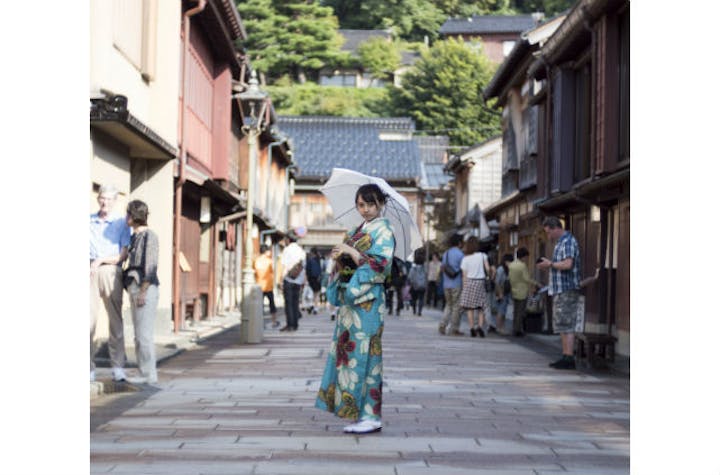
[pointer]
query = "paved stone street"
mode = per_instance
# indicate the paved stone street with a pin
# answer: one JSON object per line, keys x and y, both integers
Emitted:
{"x": 451, "y": 405}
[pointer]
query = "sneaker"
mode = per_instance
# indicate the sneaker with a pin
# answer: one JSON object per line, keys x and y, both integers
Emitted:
{"x": 118, "y": 374}
{"x": 142, "y": 379}
{"x": 365, "y": 426}
{"x": 92, "y": 376}
{"x": 441, "y": 329}
{"x": 285, "y": 328}
{"x": 457, "y": 333}
{"x": 275, "y": 324}
{"x": 565, "y": 364}
{"x": 561, "y": 361}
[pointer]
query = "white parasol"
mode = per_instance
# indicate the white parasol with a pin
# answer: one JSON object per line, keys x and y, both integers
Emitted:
{"x": 340, "y": 192}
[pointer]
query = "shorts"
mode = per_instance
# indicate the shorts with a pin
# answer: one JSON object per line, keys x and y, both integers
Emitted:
{"x": 568, "y": 312}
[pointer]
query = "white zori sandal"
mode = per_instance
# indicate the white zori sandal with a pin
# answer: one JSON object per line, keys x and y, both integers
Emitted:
{"x": 364, "y": 426}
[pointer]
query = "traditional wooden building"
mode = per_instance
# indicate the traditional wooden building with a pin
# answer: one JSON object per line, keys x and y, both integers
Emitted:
{"x": 564, "y": 90}
{"x": 212, "y": 175}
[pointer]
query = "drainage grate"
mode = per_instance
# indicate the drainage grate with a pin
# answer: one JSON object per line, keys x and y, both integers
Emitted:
{"x": 110, "y": 387}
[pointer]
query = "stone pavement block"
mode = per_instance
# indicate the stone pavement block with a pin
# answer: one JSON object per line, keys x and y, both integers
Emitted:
{"x": 297, "y": 467}
{"x": 275, "y": 443}
{"x": 183, "y": 467}
{"x": 449, "y": 470}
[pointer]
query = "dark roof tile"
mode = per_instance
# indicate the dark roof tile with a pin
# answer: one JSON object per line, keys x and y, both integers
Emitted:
{"x": 322, "y": 143}
{"x": 479, "y": 24}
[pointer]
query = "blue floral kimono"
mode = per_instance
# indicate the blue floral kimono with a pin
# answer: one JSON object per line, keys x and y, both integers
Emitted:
{"x": 351, "y": 386}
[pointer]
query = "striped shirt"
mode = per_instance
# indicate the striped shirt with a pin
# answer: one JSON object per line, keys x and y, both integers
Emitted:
{"x": 564, "y": 280}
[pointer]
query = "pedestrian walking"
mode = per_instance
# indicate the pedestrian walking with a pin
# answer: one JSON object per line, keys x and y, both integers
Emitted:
{"x": 394, "y": 286}
{"x": 263, "y": 266}
{"x": 313, "y": 268}
{"x": 502, "y": 291}
{"x": 109, "y": 241}
{"x": 452, "y": 284}
{"x": 418, "y": 282}
{"x": 351, "y": 386}
{"x": 293, "y": 272}
{"x": 521, "y": 286}
{"x": 141, "y": 282}
{"x": 433, "y": 276}
{"x": 473, "y": 296}
{"x": 564, "y": 287}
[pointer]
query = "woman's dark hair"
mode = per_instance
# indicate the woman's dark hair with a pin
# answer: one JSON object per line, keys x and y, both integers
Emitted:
{"x": 371, "y": 193}
{"x": 455, "y": 240}
{"x": 522, "y": 252}
{"x": 471, "y": 245}
{"x": 505, "y": 259}
{"x": 138, "y": 212}
{"x": 419, "y": 256}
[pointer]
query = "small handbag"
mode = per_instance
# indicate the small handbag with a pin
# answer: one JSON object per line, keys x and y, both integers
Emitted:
{"x": 534, "y": 304}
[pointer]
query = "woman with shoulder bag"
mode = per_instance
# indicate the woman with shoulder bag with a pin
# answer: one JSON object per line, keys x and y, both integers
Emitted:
{"x": 473, "y": 297}
{"x": 141, "y": 282}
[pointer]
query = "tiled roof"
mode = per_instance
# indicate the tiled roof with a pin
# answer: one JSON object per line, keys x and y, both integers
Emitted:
{"x": 322, "y": 143}
{"x": 353, "y": 38}
{"x": 432, "y": 147}
{"x": 433, "y": 176}
{"x": 479, "y": 24}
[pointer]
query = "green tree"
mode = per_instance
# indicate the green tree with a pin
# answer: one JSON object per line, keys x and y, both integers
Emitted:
{"x": 379, "y": 56}
{"x": 311, "y": 99}
{"x": 297, "y": 37}
{"x": 410, "y": 19}
{"x": 549, "y": 7}
{"x": 466, "y": 8}
{"x": 443, "y": 93}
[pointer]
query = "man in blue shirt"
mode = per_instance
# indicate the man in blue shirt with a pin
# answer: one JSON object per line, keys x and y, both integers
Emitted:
{"x": 568, "y": 304}
{"x": 109, "y": 241}
{"x": 452, "y": 285}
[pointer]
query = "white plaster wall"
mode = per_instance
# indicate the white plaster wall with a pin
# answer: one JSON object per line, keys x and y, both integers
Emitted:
{"x": 154, "y": 103}
{"x": 485, "y": 181}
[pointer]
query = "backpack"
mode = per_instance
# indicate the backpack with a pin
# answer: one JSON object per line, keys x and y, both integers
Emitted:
{"x": 313, "y": 267}
{"x": 397, "y": 273}
{"x": 507, "y": 288}
{"x": 417, "y": 278}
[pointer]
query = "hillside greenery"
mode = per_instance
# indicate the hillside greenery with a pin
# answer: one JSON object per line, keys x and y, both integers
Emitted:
{"x": 291, "y": 41}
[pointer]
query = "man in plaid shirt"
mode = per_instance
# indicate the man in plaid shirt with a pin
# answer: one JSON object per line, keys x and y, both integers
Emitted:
{"x": 568, "y": 305}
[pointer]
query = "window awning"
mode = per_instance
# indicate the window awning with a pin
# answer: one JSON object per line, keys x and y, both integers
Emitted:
{"x": 111, "y": 115}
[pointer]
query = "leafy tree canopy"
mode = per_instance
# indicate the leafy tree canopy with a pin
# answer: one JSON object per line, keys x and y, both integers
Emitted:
{"x": 443, "y": 93}
{"x": 409, "y": 19}
{"x": 379, "y": 56}
{"x": 311, "y": 99}
{"x": 299, "y": 37}
{"x": 549, "y": 7}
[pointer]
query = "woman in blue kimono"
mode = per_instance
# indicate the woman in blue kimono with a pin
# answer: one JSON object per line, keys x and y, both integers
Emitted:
{"x": 351, "y": 386}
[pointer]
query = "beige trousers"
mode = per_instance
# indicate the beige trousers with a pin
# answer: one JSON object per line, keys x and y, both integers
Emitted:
{"x": 106, "y": 286}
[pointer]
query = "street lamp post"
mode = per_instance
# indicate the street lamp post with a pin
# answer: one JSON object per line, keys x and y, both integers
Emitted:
{"x": 256, "y": 101}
